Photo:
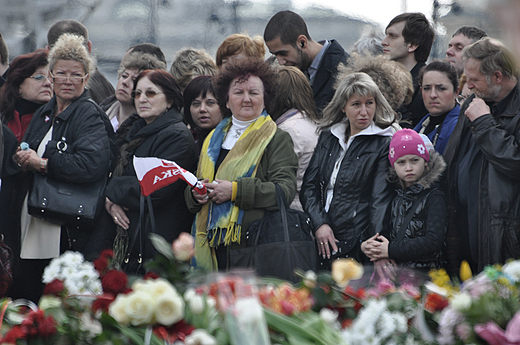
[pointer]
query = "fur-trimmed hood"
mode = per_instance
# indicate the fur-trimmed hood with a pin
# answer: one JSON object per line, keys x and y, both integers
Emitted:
{"x": 436, "y": 167}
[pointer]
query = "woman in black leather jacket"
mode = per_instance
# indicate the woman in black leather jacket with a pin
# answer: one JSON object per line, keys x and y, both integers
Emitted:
{"x": 344, "y": 189}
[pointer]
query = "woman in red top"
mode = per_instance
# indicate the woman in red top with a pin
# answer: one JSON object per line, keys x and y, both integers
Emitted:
{"x": 27, "y": 88}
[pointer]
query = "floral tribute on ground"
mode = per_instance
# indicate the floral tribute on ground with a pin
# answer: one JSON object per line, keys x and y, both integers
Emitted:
{"x": 97, "y": 303}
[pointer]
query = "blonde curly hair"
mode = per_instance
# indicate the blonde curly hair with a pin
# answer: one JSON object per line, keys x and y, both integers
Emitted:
{"x": 392, "y": 78}
{"x": 71, "y": 47}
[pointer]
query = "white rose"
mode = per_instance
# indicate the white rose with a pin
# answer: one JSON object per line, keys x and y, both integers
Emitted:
{"x": 200, "y": 337}
{"x": 211, "y": 302}
{"x": 329, "y": 316}
{"x": 196, "y": 304}
{"x": 160, "y": 287}
{"x": 140, "y": 285}
{"x": 48, "y": 301}
{"x": 189, "y": 294}
{"x": 117, "y": 309}
{"x": 310, "y": 279}
{"x": 169, "y": 309}
{"x": 512, "y": 269}
{"x": 461, "y": 301}
{"x": 140, "y": 308}
{"x": 249, "y": 311}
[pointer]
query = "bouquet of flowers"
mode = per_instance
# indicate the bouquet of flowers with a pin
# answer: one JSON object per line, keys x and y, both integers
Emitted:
{"x": 485, "y": 306}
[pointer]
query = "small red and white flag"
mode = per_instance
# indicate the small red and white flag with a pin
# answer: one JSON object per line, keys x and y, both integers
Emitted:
{"x": 155, "y": 173}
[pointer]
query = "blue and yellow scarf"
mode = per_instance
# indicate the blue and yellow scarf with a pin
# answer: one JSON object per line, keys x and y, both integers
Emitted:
{"x": 217, "y": 224}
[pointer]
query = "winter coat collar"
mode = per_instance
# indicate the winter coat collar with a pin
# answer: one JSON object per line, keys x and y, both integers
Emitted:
{"x": 339, "y": 129}
{"x": 437, "y": 166}
{"x": 141, "y": 129}
{"x": 48, "y": 109}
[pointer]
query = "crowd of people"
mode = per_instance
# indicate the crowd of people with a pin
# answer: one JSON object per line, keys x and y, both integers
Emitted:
{"x": 397, "y": 161}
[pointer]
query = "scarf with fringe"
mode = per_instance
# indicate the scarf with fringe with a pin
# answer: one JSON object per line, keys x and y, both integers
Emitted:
{"x": 217, "y": 224}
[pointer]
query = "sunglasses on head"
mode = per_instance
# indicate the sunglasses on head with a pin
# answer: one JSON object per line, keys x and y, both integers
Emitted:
{"x": 148, "y": 93}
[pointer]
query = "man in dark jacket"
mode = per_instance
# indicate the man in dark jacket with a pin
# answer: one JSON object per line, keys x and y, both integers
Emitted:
{"x": 483, "y": 157}
{"x": 287, "y": 38}
{"x": 409, "y": 39}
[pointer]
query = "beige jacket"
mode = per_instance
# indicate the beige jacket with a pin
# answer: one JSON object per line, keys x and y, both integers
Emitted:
{"x": 304, "y": 134}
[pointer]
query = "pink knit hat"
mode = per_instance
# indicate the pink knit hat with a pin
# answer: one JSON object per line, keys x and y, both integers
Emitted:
{"x": 407, "y": 142}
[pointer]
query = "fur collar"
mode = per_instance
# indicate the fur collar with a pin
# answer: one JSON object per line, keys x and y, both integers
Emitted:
{"x": 437, "y": 165}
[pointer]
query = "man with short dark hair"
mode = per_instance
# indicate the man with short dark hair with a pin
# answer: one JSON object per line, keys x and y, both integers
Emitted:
{"x": 409, "y": 39}
{"x": 148, "y": 48}
{"x": 4, "y": 60}
{"x": 98, "y": 86}
{"x": 483, "y": 158}
{"x": 288, "y": 39}
{"x": 464, "y": 36}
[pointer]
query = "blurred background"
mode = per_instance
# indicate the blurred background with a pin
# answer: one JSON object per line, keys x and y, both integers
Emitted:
{"x": 115, "y": 25}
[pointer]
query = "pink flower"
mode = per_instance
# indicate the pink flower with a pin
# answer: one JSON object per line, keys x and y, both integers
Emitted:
{"x": 495, "y": 335}
{"x": 412, "y": 290}
{"x": 183, "y": 247}
{"x": 385, "y": 286}
{"x": 463, "y": 331}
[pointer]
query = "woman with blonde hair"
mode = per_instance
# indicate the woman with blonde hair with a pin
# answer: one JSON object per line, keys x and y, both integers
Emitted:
{"x": 295, "y": 112}
{"x": 344, "y": 190}
{"x": 238, "y": 47}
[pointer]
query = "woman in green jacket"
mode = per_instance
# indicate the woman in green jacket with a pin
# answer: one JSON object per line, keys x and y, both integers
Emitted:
{"x": 241, "y": 161}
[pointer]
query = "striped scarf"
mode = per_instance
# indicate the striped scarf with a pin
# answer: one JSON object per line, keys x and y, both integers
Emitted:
{"x": 217, "y": 224}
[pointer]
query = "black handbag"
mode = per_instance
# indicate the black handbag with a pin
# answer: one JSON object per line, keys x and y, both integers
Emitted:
{"x": 65, "y": 203}
{"x": 279, "y": 243}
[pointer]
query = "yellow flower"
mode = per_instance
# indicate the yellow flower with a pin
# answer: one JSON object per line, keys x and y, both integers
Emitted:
{"x": 465, "y": 271}
{"x": 344, "y": 270}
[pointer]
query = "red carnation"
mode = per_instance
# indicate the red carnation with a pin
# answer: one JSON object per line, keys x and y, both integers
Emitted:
{"x": 103, "y": 302}
{"x": 175, "y": 332}
{"x": 107, "y": 253}
{"x": 150, "y": 275}
{"x": 101, "y": 265}
{"x": 47, "y": 327}
{"x": 114, "y": 282}
{"x": 55, "y": 287}
{"x": 14, "y": 334}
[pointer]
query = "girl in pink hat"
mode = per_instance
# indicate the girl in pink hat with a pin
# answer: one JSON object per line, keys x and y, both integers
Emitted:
{"x": 415, "y": 237}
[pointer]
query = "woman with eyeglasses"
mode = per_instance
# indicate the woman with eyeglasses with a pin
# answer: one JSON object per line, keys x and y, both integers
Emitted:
{"x": 161, "y": 133}
{"x": 27, "y": 88}
{"x": 70, "y": 140}
{"x": 439, "y": 86}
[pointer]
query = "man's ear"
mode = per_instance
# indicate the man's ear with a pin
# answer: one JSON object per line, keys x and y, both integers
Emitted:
{"x": 498, "y": 76}
{"x": 412, "y": 47}
{"x": 301, "y": 42}
{"x": 89, "y": 44}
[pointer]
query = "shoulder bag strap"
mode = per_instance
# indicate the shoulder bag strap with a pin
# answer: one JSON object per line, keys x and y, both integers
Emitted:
{"x": 409, "y": 216}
